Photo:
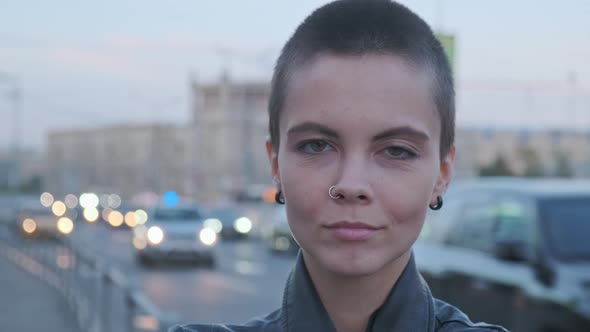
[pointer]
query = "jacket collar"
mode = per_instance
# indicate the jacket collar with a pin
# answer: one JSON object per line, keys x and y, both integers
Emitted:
{"x": 408, "y": 307}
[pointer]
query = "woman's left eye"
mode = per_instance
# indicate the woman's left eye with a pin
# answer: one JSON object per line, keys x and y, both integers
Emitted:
{"x": 399, "y": 152}
{"x": 314, "y": 147}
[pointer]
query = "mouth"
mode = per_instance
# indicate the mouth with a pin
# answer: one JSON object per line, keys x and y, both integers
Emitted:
{"x": 352, "y": 231}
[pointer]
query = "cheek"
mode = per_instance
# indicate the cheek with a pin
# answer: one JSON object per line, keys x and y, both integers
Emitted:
{"x": 303, "y": 189}
{"x": 405, "y": 196}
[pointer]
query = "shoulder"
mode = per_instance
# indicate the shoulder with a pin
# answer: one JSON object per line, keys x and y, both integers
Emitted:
{"x": 268, "y": 323}
{"x": 451, "y": 319}
{"x": 199, "y": 328}
{"x": 203, "y": 328}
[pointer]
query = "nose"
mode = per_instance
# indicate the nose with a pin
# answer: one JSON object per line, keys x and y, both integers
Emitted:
{"x": 352, "y": 184}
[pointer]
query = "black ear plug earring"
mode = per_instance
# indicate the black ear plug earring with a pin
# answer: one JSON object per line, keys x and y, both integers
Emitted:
{"x": 279, "y": 197}
{"x": 438, "y": 205}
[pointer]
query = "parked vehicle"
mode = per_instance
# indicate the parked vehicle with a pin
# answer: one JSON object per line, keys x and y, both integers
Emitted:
{"x": 513, "y": 252}
{"x": 174, "y": 234}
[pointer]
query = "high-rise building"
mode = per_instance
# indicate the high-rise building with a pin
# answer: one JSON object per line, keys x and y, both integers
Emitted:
{"x": 231, "y": 125}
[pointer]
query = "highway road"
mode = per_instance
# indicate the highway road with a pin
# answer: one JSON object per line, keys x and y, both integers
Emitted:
{"x": 247, "y": 281}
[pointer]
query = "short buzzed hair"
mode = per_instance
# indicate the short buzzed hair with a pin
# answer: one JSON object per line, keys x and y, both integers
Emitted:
{"x": 362, "y": 27}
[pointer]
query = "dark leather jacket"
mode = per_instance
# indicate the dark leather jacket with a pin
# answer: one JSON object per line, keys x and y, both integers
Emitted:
{"x": 409, "y": 307}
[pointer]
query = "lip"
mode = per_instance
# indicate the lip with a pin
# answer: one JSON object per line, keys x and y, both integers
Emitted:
{"x": 353, "y": 225}
{"x": 352, "y": 231}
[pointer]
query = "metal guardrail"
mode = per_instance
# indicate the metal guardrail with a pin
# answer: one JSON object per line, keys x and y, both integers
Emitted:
{"x": 100, "y": 297}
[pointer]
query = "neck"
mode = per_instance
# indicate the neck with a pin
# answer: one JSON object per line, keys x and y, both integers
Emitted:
{"x": 351, "y": 300}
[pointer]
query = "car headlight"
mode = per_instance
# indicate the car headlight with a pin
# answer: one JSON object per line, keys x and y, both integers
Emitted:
{"x": 207, "y": 236}
{"x": 243, "y": 225}
{"x": 214, "y": 224}
{"x": 29, "y": 225}
{"x": 155, "y": 235}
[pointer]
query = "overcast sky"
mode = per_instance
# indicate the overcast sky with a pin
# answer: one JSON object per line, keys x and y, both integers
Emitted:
{"x": 87, "y": 64}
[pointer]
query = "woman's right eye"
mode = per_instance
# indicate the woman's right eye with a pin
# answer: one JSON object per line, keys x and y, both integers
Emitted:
{"x": 314, "y": 147}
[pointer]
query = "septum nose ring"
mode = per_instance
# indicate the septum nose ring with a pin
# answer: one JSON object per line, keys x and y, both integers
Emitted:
{"x": 331, "y": 194}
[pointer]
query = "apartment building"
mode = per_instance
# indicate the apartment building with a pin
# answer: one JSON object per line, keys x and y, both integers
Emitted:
{"x": 231, "y": 126}
{"x": 121, "y": 159}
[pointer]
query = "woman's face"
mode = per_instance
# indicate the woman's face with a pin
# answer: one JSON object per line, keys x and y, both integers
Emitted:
{"x": 369, "y": 126}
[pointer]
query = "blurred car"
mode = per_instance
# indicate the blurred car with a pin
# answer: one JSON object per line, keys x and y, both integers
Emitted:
{"x": 280, "y": 237}
{"x": 40, "y": 222}
{"x": 174, "y": 234}
{"x": 512, "y": 252}
{"x": 229, "y": 222}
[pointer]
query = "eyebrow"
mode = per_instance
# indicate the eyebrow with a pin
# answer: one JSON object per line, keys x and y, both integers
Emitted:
{"x": 406, "y": 131}
{"x": 312, "y": 127}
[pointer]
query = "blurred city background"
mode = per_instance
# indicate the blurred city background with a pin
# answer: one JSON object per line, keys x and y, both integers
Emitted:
{"x": 123, "y": 122}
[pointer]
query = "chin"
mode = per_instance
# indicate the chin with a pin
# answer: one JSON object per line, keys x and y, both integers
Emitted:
{"x": 353, "y": 270}
{"x": 353, "y": 263}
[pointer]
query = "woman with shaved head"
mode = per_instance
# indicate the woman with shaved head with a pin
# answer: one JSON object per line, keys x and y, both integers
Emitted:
{"x": 361, "y": 120}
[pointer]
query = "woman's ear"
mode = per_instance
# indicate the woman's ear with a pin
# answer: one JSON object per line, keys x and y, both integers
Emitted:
{"x": 274, "y": 164}
{"x": 445, "y": 174}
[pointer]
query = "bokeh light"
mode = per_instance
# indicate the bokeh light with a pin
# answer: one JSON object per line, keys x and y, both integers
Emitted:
{"x": 139, "y": 243}
{"x": 243, "y": 225}
{"x": 282, "y": 243}
{"x": 268, "y": 195}
{"x": 140, "y": 231}
{"x": 29, "y": 225}
{"x": 171, "y": 198}
{"x": 155, "y": 235}
{"x": 71, "y": 201}
{"x": 91, "y": 214}
{"x": 207, "y": 236}
{"x": 63, "y": 261}
{"x": 46, "y": 199}
{"x": 88, "y": 200}
{"x": 105, "y": 214}
{"x": 116, "y": 218}
{"x": 146, "y": 323}
{"x": 58, "y": 208}
{"x": 214, "y": 224}
{"x": 130, "y": 219}
{"x": 104, "y": 201}
{"x": 114, "y": 201}
{"x": 141, "y": 217}
{"x": 65, "y": 225}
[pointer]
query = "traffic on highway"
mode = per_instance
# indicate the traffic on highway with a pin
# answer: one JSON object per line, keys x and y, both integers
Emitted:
{"x": 510, "y": 251}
